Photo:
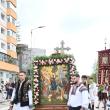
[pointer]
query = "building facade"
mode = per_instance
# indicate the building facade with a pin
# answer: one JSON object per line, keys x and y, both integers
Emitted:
{"x": 25, "y": 56}
{"x": 8, "y": 55}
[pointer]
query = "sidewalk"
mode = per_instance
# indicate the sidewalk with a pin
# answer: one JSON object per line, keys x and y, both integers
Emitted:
{"x": 4, "y": 105}
{"x": 100, "y": 107}
{"x": 2, "y": 96}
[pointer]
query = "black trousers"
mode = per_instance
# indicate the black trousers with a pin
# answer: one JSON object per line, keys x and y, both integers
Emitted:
{"x": 75, "y": 108}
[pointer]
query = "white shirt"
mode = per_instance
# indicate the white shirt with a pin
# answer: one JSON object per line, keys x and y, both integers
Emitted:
{"x": 93, "y": 92}
{"x": 80, "y": 98}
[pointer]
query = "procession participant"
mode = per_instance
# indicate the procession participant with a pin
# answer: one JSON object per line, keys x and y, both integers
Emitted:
{"x": 22, "y": 94}
{"x": 108, "y": 102}
{"x": 84, "y": 80}
{"x": 100, "y": 94}
{"x": 92, "y": 92}
{"x": 78, "y": 94}
{"x": 105, "y": 93}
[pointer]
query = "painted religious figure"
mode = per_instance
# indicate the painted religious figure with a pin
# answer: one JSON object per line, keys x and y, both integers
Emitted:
{"x": 104, "y": 60}
{"x": 53, "y": 84}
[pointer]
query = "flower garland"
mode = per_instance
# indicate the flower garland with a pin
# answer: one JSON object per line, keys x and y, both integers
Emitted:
{"x": 45, "y": 61}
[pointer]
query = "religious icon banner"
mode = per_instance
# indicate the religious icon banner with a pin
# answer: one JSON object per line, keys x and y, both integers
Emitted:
{"x": 51, "y": 78}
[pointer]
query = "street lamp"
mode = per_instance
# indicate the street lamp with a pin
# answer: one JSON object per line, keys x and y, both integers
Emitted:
{"x": 31, "y": 46}
{"x": 32, "y": 31}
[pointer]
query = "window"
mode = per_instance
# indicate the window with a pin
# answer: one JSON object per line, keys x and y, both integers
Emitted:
{"x": 13, "y": 20}
{"x": 2, "y": 45}
{"x": 5, "y": 58}
{"x": 8, "y": 32}
{"x": 1, "y": 57}
{"x": 1, "y": 74}
{"x": 2, "y": 30}
{"x": 13, "y": 47}
{"x": 8, "y": 46}
{"x": 8, "y": 4}
{"x": 8, "y": 19}
{"x": 2, "y": 16}
{"x": 2, "y": 2}
{"x": 7, "y": 75}
{"x": 11, "y": 33}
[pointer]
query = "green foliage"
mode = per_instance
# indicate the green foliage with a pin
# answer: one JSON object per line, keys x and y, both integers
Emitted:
{"x": 94, "y": 77}
{"x": 95, "y": 71}
{"x": 53, "y": 56}
{"x": 101, "y": 88}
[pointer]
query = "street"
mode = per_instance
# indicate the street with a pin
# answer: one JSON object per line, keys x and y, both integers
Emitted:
{"x": 101, "y": 106}
{"x": 5, "y": 105}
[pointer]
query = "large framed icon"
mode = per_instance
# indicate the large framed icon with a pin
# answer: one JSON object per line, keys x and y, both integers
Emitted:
{"x": 53, "y": 84}
{"x": 51, "y": 79}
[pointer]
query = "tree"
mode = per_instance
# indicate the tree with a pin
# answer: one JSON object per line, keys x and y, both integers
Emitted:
{"x": 95, "y": 71}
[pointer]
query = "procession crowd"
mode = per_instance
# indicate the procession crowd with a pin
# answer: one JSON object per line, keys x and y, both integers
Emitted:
{"x": 6, "y": 90}
{"x": 19, "y": 93}
{"x": 84, "y": 93}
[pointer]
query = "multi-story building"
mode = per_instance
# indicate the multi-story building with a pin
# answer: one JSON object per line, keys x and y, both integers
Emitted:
{"x": 8, "y": 56}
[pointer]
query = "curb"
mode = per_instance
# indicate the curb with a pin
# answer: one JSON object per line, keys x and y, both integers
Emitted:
{"x": 4, "y": 101}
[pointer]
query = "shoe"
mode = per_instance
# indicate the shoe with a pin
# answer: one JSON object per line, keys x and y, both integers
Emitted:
{"x": 103, "y": 107}
{"x": 97, "y": 107}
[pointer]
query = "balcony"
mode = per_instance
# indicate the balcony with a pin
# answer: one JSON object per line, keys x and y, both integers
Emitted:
{"x": 11, "y": 26}
{"x": 13, "y": 2}
{"x": 8, "y": 63}
{"x": 11, "y": 12}
{"x": 8, "y": 59}
{"x": 11, "y": 39}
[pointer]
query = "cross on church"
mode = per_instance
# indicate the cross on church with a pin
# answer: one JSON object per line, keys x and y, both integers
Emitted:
{"x": 62, "y": 48}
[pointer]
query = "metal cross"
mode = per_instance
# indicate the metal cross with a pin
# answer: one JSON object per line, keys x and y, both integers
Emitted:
{"x": 62, "y": 48}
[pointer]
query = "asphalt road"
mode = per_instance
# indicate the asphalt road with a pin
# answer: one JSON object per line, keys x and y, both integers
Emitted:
{"x": 5, "y": 105}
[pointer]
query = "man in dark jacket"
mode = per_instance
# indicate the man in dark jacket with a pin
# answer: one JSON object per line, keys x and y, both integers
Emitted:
{"x": 22, "y": 94}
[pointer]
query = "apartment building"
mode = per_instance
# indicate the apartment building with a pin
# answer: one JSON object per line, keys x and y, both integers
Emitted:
{"x": 8, "y": 56}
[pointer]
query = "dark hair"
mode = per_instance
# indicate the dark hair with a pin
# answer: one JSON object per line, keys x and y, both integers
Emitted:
{"x": 23, "y": 72}
{"x": 77, "y": 75}
{"x": 84, "y": 76}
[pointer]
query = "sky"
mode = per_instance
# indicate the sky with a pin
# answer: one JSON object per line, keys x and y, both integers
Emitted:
{"x": 82, "y": 24}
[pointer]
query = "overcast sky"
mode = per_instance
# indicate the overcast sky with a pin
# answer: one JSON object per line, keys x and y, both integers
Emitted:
{"x": 82, "y": 24}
